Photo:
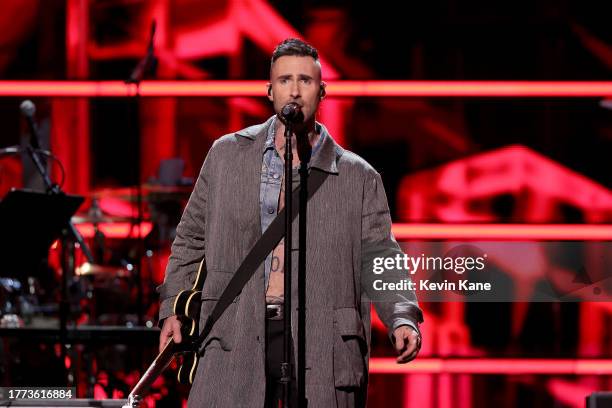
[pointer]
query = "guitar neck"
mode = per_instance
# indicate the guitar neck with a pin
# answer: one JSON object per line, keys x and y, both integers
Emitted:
{"x": 155, "y": 369}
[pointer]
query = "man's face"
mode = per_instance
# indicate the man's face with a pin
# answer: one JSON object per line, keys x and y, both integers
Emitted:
{"x": 296, "y": 79}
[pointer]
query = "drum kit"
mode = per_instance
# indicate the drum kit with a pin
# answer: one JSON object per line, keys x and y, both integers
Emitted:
{"x": 129, "y": 248}
{"x": 52, "y": 285}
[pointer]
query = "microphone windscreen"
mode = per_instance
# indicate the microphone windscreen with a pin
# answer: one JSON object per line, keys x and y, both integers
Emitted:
{"x": 28, "y": 108}
{"x": 292, "y": 113}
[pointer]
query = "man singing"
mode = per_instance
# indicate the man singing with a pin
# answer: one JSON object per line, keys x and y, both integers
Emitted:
{"x": 238, "y": 193}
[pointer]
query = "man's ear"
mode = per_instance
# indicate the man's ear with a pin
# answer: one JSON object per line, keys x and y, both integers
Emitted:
{"x": 270, "y": 92}
{"x": 322, "y": 91}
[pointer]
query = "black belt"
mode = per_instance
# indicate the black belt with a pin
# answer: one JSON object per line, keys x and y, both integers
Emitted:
{"x": 275, "y": 312}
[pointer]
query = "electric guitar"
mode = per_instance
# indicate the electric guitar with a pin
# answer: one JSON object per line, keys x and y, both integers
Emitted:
{"x": 187, "y": 308}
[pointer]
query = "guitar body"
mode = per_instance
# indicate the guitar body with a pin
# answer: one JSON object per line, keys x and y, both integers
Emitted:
{"x": 187, "y": 307}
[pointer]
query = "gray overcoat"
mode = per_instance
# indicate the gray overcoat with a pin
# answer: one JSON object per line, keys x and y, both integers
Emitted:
{"x": 348, "y": 224}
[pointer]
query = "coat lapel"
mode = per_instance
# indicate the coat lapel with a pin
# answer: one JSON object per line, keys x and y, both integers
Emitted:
{"x": 327, "y": 157}
{"x": 251, "y": 141}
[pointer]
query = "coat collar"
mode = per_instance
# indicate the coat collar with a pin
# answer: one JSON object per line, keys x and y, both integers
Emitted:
{"x": 325, "y": 159}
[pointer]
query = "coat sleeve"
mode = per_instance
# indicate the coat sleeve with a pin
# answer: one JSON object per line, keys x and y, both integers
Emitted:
{"x": 398, "y": 307}
{"x": 189, "y": 244}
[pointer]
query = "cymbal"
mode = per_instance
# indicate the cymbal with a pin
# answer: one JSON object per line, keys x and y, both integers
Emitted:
{"x": 88, "y": 269}
{"x": 101, "y": 219}
{"x": 149, "y": 191}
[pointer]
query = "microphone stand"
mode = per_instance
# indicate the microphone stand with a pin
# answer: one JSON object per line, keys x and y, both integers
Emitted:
{"x": 304, "y": 152}
{"x": 287, "y": 338}
{"x": 70, "y": 235}
{"x": 145, "y": 65}
{"x": 53, "y": 188}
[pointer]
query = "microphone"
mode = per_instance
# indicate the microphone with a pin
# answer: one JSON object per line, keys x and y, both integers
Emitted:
{"x": 149, "y": 63}
{"x": 291, "y": 114}
{"x": 28, "y": 110}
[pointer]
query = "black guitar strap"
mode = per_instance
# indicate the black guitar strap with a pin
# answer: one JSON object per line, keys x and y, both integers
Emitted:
{"x": 268, "y": 241}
